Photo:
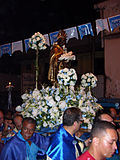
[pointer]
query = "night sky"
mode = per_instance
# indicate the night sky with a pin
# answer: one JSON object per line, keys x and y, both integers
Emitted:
{"x": 20, "y": 20}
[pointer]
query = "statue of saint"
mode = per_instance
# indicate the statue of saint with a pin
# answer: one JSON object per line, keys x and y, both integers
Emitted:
{"x": 57, "y": 50}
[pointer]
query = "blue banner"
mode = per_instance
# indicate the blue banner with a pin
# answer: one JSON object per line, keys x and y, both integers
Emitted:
{"x": 101, "y": 24}
{"x": 114, "y": 22}
{"x": 71, "y": 32}
{"x": 53, "y": 37}
{"x": 17, "y": 46}
{"x": 47, "y": 39}
{"x": 85, "y": 29}
{"x": 6, "y": 49}
{"x": 26, "y": 41}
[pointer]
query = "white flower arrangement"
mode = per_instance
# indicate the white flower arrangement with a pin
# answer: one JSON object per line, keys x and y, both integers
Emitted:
{"x": 37, "y": 41}
{"x": 67, "y": 56}
{"x": 88, "y": 80}
{"x": 88, "y": 105}
{"x": 67, "y": 77}
{"x": 47, "y": 105}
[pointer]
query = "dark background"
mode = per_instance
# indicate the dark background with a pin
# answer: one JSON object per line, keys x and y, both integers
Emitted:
{"x": 21, "y": 19}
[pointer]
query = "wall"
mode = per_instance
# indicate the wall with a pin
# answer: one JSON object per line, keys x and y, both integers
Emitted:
{"x": 108, "y": 9}
{"x": 112, "y": 67}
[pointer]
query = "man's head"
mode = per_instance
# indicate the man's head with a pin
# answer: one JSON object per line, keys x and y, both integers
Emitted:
{"x": 72, "y": 117}
{"x": 28, "y": 127}
{"x": 1, "y": 117}
{"x": 18, "y": 121}
{"x": 113, "y": 112}
{"x": 106, "y": 117}
{"x": 8, "y": 115}
{"x": 104, "y": 137}
{"x": 103, "y": 116}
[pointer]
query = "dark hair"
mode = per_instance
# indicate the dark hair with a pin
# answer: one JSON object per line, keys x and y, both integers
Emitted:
{"x": 71, "y": 115}
{"x": 18, "y": 115}
{"x": 100, "y": 128}
{"x": 29, "y": 120}
{"x": 98, "y": 115}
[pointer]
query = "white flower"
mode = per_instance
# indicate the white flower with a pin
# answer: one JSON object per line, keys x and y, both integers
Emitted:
{"x": 37, "y": 41}
{"x": 57, "y": 98}
{"x": 80, "y": 102}
{"x": 55, "y": 109}
{"x": 69, "y": 73}
{"x": 38, "y": 38}
{"x": 75, "y": 76}
{"x": 42, "y": 103}
{"x": 72, "y": 70}
{"x": 89, "y": 126}
{"x": 65, "y": 70}
{"x": 62, "y": 105}
{"x": 84, "y": 76}
{"x": 19, "y": 109}
{"x": 72, "y": 83}
{"x": 65, "y": 82}
{"x": 35, "y": 112}
{"x": 67, "y": 77}
{"x": 24, "y": 96}
{"x": 34, "y": 46}
{"x": 88, "y": 80}
{"x": 45, "y": 109}
{"x": 34, "y": 41}
{"x": 36, "y": 93}
{"x": 83, "y": 109}
{"x": 52, "y": 102}
{"x": 45, "y": 124}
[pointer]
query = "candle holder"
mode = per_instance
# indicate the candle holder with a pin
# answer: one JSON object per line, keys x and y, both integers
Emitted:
{"x": 9, "y": 88}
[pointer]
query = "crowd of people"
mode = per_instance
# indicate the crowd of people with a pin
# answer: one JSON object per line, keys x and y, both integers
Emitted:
{"x": 19, "y": 139}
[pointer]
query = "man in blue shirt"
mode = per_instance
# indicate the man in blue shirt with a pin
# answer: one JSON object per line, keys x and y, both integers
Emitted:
{"x": 26, "y": 143}
{"x": 63, "y": 144}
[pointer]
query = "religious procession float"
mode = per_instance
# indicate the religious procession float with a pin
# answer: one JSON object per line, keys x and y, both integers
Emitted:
{"x": 46, "y": 105}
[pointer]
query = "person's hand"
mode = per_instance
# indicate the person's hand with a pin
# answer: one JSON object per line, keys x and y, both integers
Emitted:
{"x": 79, "y": 133}
{"x": 87, "y": 142}
{"x": 6, "y": 124}
{"x": 10, "y": 124}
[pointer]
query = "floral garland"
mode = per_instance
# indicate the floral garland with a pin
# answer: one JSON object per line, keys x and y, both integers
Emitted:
{"x": 88, "y": 80}
{"x": 67, "y": 77}
{"x": 37, "y": 41}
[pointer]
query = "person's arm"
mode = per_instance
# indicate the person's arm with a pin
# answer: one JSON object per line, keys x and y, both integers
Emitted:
{"x": 41, "y": 141}
{"x": 8, "y": 124}
{"x": 14, "y": 149}
{"x": 7, "y": 153}
{"x": 5, "y": 130}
